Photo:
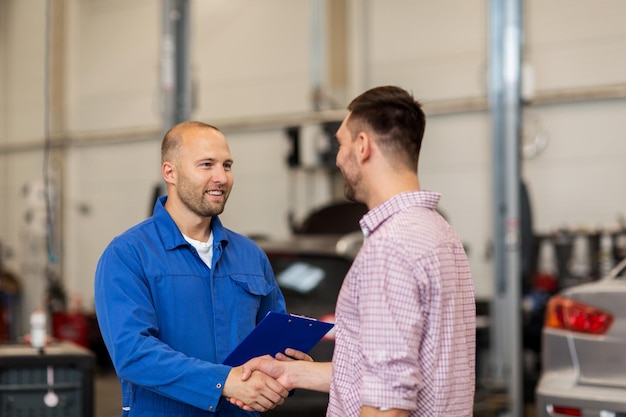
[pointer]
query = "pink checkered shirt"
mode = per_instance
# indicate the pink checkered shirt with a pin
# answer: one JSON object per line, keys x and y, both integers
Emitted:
{"x": 406, "y": 316}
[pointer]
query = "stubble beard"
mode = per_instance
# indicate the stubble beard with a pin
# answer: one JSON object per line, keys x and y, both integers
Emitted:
{"x": 348, "y": 191}
{"x": 350, "y": 183}
{"x": 351, "y": 178}
{"x": 196, "y": 201}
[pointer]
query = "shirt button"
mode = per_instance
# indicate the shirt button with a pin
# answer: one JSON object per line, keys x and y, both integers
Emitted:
{"x": 210, "y": 407}
{"x": 218, "y": 385}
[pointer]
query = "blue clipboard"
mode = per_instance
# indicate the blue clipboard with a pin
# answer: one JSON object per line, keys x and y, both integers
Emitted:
{"x": 277, "y": 332}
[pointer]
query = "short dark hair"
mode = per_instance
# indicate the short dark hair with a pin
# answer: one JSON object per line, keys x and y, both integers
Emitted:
{"x": 395, "y": 116}
{"x": 171, "y": 140}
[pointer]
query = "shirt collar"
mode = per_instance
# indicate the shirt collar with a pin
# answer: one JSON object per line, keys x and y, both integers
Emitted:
{"x": 379, "y": 214}
{"x": 171, "y": 235}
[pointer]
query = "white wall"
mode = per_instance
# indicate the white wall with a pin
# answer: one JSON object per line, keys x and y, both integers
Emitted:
{"x": 22, "y": 57}
{"x": 3, "y": 53}
{"x": 252, "y": 59}
{"x": 437, "y": 49}
{"x": 576, "y": 180}
{"x": 113, "y": 64}
{"x": 575, "y": 45}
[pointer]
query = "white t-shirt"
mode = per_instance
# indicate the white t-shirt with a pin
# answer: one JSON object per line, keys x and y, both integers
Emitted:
{"x": 205, "y": 249}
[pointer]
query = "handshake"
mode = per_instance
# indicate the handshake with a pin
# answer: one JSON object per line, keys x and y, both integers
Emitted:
{"x": 264, "y": 382}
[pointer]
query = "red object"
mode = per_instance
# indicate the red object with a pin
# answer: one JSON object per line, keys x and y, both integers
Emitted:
{"x": 566, "y": 411}
{"x": 72, "y": 327}
{"x": 545, "y": 282}
{"x": 4, "y": 324}
{"x": 566, "y": 314}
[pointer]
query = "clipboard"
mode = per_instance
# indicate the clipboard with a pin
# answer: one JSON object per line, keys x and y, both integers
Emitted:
{"x": 277, "y": 332}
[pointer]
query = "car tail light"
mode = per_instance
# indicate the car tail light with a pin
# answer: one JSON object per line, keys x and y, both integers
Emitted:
{"x": 566, "y": 314}
{"x": 557, "y": 410}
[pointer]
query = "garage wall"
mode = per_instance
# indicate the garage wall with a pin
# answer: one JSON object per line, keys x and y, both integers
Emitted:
{"x": 3, "y": 53}
{"x": 252, "y": 59}
{"x": 113, "y": 64}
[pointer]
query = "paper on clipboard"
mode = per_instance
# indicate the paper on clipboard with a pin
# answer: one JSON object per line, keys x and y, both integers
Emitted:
{"x": 277, "y": 332}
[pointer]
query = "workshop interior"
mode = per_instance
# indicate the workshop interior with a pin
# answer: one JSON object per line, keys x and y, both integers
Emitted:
{"x": 525, "y": 103}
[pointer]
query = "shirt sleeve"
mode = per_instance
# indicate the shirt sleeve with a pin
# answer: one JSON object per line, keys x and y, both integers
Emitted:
{"x": 129, "y": 325}
{"x": 391, "y": 314}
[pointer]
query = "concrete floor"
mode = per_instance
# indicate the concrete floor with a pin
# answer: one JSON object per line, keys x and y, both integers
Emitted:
{"x": 107, "y": 395}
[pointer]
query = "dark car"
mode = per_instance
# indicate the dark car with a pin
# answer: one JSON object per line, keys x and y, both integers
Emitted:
{"x": 310, "y": 270}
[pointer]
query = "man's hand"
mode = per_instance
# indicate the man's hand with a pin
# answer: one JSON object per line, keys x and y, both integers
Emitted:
{"x": 294, "y": 370}
{"x": 258, "y": 392}
{"x": 292, "y": 354}
{"x": 275, "y": 368}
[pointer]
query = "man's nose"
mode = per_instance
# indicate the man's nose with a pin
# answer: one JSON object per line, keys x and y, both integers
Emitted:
{"x": 219, "y": 175}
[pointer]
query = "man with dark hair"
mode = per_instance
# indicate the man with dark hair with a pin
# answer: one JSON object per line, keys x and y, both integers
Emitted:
{"x": 405, "y": 316}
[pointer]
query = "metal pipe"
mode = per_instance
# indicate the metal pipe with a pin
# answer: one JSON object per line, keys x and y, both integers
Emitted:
{"x": 318, "y": 52}
{"x": 175, "y": 84}
{"x": 183, "y": 63}
{"x": 168, "y": 64}
{"x": 505, "y": 105}
{"x": 359, "y": 39}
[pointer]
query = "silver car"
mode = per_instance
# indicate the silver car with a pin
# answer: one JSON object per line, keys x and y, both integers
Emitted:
{"x": 584, "y": 350}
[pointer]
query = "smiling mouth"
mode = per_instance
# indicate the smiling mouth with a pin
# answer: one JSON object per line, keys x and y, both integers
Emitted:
{"x": 215, "y": 192}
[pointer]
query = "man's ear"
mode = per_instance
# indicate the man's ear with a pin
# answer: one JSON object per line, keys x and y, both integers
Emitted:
{"x": 169, "y": 172}
{"x": 364, "y": 146}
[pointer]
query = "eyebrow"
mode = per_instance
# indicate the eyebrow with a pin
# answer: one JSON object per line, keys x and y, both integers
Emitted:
{"x": 215, "y": 160}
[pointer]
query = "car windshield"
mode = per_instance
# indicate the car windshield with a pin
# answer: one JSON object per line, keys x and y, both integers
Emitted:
{"x": 301, "y": 277}
{"x": 307, "y": 277}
